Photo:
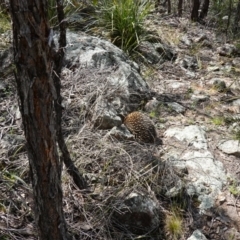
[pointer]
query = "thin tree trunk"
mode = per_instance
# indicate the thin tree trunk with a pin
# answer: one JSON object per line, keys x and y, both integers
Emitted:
{"x": 169, "y": 6}
{"x": 195, "y": 8}
{"x": 180, "y": 7}
{"x": 58, "y": 57}
{"x": 229, "y": 15}
{"x": 204, "y": 10}
{"x": 34, "y": 63}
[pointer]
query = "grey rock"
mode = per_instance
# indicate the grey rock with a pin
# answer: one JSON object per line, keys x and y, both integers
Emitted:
{"x": 225, "y": 18}
{"x": 201, "y": 38}
{"x": 104, "y": 116}
{"x": 193, "y": 135}
{"x": 174, "y": 191}
{"x": 199, "y": 98}
{"x": 152, "y": 105}
{"x": 236, "y": 62}
{"x": 176, "y": 107}
{"x": 227, "y": 50}
{"x": 197, "y": 235}
{"x": 173, "y": 84}
{"x": 189, "y": 62}
{"x": 236, "y": 102}
{"x": 205, "y": 168}
{"x": 156, "y": 52}
{"x": 120, "y": 133}
{"x": 205, "y": 176}
{"x": 231, "y": 147}
{"x": 204, "y": 40}
{"x": 187, "y": 41}
{"x": 138, "y": 213}
{"x": 213, "y": 68}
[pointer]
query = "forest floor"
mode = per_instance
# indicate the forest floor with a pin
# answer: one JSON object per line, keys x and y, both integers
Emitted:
{"x": 106, "y": 163}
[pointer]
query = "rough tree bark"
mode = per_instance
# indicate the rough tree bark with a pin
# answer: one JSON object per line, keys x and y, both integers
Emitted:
{"x": 34, "y": 65}
{"x": 195, "y": 8}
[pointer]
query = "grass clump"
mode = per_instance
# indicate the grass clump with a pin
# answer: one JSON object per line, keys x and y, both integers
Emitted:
{"x": 5, "y": 23}
{"x": 234, "y": 189}
{"x": 218, "y": 121}
{"x": 123, "y": 20}
{"x": 5, "y": 20}
{"x": 174, "y": 225}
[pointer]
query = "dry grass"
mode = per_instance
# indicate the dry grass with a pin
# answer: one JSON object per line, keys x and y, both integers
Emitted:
{"x": 113, "y": 169}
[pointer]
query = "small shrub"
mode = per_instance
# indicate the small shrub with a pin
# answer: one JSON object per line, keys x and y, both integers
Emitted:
{"x": 123, "y": 20}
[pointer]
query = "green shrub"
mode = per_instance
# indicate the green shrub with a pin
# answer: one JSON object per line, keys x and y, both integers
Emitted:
{"x": 123, "y": 20}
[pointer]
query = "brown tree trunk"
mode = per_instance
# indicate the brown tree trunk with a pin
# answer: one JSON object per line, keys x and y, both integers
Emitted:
{"x": 230, "y": 6}
{"x": 58, "y": 58}
{"x": 180, "y": 6}
{"x": 33, "y": 59}
{"x": 169, "y": 6}
{"x": 195, "y": 9}
{"x": 204, "y": 9}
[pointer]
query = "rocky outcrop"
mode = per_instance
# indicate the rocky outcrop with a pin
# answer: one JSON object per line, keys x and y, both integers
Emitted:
{"x": 123, "y": 88}
{"x": 205, "y": 175}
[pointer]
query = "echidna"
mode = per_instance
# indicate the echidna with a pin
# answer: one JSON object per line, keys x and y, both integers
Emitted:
{"x": 141, "y": 126}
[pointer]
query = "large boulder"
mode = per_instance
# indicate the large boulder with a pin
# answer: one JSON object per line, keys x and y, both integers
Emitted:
{"x": 119, "y": 87}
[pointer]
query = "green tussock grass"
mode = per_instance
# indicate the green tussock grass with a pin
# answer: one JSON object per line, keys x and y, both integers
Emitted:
{"x": 123, "y": 20}
{"x": 174, "y": 225}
